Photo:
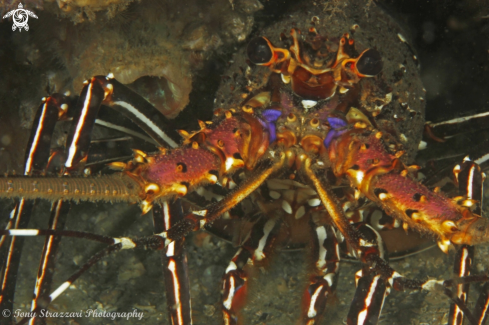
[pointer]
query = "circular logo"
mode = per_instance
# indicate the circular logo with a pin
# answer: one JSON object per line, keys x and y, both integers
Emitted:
{"x": 20, "y": 17}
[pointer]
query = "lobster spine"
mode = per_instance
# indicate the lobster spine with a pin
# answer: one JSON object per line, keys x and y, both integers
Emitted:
{"x": 381, "y": 177}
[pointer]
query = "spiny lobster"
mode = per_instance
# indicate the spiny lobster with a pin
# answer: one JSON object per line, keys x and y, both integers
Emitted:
{"x": 309, "y": 131}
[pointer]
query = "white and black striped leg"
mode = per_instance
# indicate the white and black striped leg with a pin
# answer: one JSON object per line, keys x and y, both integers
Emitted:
{"x": 101, "y": 90}
{"x": 97, "y": 91}
{"x": 37, "y": 153}
{"x": 175, "y": 269}
{"x": 78, "y": 144}
{"x": 470, "y": 179}
{"x": 59, "y": 213}
{"x": 174, "y": 258}
{"x": 401, "y": 283}
{"x": 368, "y": 300}
{"x": 136, "y": 108}
{"x": 462, "y": 267}
{"x": 50, "y": 111}
{"x": 22, "y": 216}
{"x": 155, "y": 124}
{"x": 323, "y": 282}
{"x": 366, "y": 243}
{"x": 255, "y": 251}
{"x": 86, "y": 111}
{"x": 373, "y": 282}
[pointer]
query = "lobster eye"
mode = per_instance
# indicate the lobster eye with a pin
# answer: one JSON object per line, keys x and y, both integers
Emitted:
{"x": 370, "y": 63}
{"x": 259, "y": 52}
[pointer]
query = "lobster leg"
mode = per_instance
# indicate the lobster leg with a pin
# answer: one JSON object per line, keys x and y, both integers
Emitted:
{"x": 373, "y": 285}
{"x": 78, "y": 142}
{"x": 133, "y": 106}
{"x": 157, "y": 127}
{"x": 235, "y": 286}
{"x": 59, "y": 213}
{"x": 469, "y": 178}
{"x": 94, "y": 93}
{"x": 106, "y": 90}
{"x": 462, "y": 267}
{"x": 255, "y": 250}
{"x": 22, "y": 213}
{"x": 323, "y": 283}
{"x": 36, "y": 160}
{"x": 368, "y": 300}
{"x": 174, "y": 260}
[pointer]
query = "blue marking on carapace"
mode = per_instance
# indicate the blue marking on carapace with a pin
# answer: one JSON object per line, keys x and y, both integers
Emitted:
{"x": 270, "y": 116}
{"x": 338, "y": 127}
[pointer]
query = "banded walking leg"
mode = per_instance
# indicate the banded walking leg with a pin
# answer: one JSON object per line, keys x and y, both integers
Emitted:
{"x": 59, "y": 213}
{"x": 78, "y": 142}
{"x": 174, "y": 260}
{"x": 137, "y": 109}
{"x": 470, "y": 179}
{"x": 323, "y": 282}
{"x": 22, "y": 213}
{"x": 154, "y": 124}
{"x": 462, "y": 267}
{"x": 157, "y": 127}
{"x": 37, "y": 153}
{"x": 373, "y": 285}
{"x": 254, "y": 251}
{"x": 106, "y": 90}
{"x": 400, "y": 283}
